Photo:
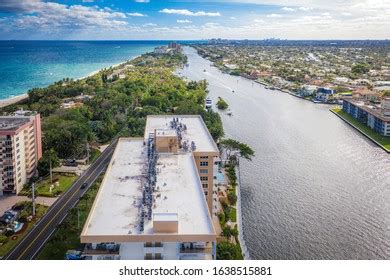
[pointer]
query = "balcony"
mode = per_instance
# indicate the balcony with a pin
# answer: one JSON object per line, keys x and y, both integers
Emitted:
{"x": 101, "y": 249}
{"x": 206, "y": 250}
{"x": 152, "y": 245}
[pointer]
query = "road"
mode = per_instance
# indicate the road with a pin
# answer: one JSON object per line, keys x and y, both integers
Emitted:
{"x": 31, "y": 244}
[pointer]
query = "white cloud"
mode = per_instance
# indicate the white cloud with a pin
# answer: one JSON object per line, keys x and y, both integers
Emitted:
{"x": 305, "y": 9}
{"x": 346, "y": 14}
{"x": 186, "y": 12}
{"x": 233, "y": 18}
{"x": 288, "y": 9}
{"x": 46, "y": 15}
{"x": 142, "y": 1}
{"x": 274, "y": 16}
{"x": 136, "y": 15}
{"x": 183, "y": 21}
{"x": 149, "y": 24}
{"x": 258, "y": 20}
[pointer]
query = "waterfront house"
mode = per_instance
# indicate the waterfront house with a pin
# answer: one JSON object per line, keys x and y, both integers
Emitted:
{"x": 324, "y": 94}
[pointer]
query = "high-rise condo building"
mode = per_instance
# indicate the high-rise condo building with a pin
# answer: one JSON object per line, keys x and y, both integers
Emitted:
{"x": 20, "y": 149}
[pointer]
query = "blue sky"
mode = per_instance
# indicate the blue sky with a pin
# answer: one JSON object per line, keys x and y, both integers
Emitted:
{"x": 186, "y": 19}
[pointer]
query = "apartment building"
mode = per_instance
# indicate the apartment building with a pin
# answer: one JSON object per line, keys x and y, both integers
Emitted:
{"x": 21, "y": 148}
{"x": 376, "y": 116}
{"x": 153, "y": 202}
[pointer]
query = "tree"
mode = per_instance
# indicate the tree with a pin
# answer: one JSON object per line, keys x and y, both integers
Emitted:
{"x": 227, "y": 232}
{"x": 232, "y": 197}
{"x": 235, "y": 149}
{"x": 44, "y": 162}
{"x": 360, "y": 68}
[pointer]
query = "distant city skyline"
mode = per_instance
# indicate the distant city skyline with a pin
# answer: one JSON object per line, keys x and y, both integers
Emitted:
{"x": 186, "y": 19}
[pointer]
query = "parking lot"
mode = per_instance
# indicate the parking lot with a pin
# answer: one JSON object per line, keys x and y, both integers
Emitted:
{"x": 6, "y": 202}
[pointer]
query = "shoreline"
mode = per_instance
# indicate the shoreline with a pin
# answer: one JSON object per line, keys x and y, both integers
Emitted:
{"x": 13, "y": 100}
{"x": 361, "y": 131}
{"x": 22, "y": 97}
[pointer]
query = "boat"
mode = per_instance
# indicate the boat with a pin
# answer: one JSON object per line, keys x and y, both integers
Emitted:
{"x": 230, "y": 113}
{"x": 209, "y": 103}
{"x": 204, "y": 70}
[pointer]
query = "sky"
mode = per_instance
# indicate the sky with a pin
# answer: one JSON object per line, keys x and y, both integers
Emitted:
{"x": 194, "y": 20}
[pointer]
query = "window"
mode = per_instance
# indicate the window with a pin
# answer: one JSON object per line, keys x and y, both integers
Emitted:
{"x": 204, "y": 163}
{"x": 158, "y": 244}
{"x": 204, "y": 178}
{"x": 204, "y": 171}
{"x": 205, "y": 186}
{"x": 206, "y": 193}
{"x": 148, "y": 244}
{"x": 148, "y": 256}
{"x": 158, "y": 256}
{"x": 204, "y": 157}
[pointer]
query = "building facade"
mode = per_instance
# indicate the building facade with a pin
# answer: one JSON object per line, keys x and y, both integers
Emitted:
{"x": 20, "y": 150}
{"x": 376, "y": 117}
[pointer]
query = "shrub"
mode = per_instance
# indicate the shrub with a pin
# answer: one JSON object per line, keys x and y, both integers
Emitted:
{"x": 232, "y": 197}
{"x": 3, "y": 239}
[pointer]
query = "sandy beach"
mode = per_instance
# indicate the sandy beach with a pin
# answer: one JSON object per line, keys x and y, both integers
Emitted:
{"x": 16, "y": 99}
{"x": 13, "y": 100}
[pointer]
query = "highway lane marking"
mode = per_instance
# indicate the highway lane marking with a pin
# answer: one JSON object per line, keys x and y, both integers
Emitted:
{"x": 55, "y": 216}
{"x": 52, "y": 207}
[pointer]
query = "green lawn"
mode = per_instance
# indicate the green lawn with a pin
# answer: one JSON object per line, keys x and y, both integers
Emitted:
{"x": 383, "y": 140}
{"x": 67, "y": 236}
{"x": 43, "y": 187}
{"x": 65, "y": 181}
{"x": 233, "y": 215}
{"x": 10, "y": 243}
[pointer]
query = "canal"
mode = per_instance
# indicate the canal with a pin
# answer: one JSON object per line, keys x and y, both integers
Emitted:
{"x": 316, "y": 188}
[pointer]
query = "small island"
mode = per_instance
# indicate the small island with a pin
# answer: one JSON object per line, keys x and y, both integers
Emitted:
{"x": 222, "y": 104}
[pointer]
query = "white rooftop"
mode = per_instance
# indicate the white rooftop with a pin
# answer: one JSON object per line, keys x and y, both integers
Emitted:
{"x": 179, "y": 193}
{"x": 196, "y": 130}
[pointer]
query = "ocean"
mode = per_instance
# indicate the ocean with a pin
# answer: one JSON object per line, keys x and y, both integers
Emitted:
{"x": 29, "y": 64}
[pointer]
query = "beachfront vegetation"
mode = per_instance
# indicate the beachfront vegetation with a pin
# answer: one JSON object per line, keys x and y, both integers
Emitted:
{"x": 115, "y": 102}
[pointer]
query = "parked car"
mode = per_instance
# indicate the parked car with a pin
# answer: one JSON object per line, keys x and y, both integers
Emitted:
{"x": 70, "y": 162}
{"x": 84, "y": 185}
